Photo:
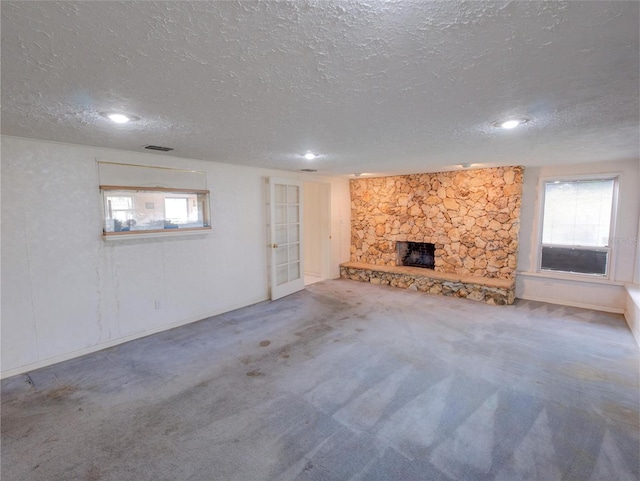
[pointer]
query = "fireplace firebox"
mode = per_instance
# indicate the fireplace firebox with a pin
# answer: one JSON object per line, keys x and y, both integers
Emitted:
{"x": 418, "y": 254}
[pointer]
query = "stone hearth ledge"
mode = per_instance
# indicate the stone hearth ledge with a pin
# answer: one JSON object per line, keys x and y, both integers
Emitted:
{"x": 483, "y": 289}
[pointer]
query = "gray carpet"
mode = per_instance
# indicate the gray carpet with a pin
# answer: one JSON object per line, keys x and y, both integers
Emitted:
{"x": 342, "y": 381}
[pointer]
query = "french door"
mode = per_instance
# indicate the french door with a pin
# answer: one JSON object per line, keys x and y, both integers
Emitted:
{"x": 285, "y": 204}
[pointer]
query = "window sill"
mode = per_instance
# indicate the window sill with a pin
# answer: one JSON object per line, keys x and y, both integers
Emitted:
{"x": 634, "y": 292}
{"x": 571, "y": 277}
{"x": 120, "y": 236}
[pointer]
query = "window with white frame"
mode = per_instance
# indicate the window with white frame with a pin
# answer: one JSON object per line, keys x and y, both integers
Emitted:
{"x": 577, "y": 225}
{"x": 120, "y": 207}
{"x": 138, "y": 210}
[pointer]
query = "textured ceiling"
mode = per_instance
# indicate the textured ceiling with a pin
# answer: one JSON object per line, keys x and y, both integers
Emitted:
{"x": 373, "y": 86}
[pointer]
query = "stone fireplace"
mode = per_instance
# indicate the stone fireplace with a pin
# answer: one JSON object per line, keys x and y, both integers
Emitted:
{"x": 462, "y": 226}
{"x": 471, "y": 217}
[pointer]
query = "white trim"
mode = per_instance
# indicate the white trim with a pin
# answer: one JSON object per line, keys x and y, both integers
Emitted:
{"x": 121, "y": 340}
{"x": 594, "y": 307}
{"x": 165, "y": 233}
{"x": 564, "y": 276}
{"x": 281, "y": 290}
{"x": 611, "y": 261}
{"x": 579, "y": 177}
{"x": 150, "y": 166}
{"x": 634, "y": 292}
{"x": 632, "y": 311}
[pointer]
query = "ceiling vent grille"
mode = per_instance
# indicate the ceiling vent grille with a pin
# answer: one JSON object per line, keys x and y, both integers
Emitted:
{"x": 159, "y": 148}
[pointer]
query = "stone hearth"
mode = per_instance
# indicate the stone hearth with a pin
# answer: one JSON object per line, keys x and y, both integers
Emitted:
{"x": 489, "y": 290}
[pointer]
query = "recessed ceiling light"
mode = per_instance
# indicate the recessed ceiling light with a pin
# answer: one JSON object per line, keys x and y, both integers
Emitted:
{"x": 510, "y": 124}
{"x": 309, "y": 156}
{"x": 119, "y": 118}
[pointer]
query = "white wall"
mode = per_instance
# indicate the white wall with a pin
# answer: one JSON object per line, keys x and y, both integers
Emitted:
{"x": 569, "y": 290}
{"x": 66, "y": 292}
{"x": 632, "y": 311}
{"x": 317, "y": 205}
{"x": 312, "y": 227}
{"x": 636, "y": 276}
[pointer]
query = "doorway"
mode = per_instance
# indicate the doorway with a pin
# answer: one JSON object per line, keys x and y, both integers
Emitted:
{"x": 316, "y": 231}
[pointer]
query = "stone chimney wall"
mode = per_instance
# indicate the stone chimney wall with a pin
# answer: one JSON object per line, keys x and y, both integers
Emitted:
{"x": 472, "y": 217}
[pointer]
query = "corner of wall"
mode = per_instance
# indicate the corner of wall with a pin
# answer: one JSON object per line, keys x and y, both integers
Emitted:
{"x": 632, "y": 311}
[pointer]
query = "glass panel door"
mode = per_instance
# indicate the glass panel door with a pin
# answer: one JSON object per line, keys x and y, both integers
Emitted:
{"x": 286, "y": 237}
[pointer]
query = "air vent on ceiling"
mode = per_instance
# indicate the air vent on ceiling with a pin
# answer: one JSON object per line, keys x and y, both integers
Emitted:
{"x": 309, "y": 170}
{"x": 158, "y": 147}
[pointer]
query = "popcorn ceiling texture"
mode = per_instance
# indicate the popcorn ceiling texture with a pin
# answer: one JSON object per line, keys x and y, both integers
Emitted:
{"x": 471, "y": 216}
{"x": 359, "y": 82}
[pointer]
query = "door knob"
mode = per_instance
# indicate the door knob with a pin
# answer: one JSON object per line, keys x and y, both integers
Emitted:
{"x": 275, "y": 246}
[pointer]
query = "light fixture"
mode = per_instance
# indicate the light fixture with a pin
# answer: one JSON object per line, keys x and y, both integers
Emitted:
{"x": 510, "y": 123}
{"x": 309, "y": 156}
{"x": 465, "y": 166}
{"x": 118, "y": 118}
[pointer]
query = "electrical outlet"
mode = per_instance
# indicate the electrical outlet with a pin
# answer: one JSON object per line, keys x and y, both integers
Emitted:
{"x": 158, "y": 304}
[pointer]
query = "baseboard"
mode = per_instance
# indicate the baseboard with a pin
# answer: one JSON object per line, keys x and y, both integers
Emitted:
{"x": 121, "y": 340}
{"x": 614, "y": 310}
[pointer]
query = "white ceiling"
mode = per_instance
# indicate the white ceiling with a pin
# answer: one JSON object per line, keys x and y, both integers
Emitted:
{"x": 373, "y": 86}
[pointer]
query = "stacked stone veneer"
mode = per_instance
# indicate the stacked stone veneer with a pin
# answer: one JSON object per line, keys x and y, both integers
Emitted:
{"x": 473, "y": 288}
{"x": 472, "y": 217}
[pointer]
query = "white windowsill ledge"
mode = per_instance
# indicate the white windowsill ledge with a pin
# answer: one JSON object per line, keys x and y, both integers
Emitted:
{"x": 634, "y": 292}
{"x": 156, "y": 235}
{"x": 568, "y": 277}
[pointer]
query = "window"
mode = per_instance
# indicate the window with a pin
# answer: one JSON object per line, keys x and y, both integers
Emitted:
{"x": 138, "y": 210}
{"x": 176, "y": 208}
{"x": 577, "y": 220}
{"x": 120, "y": 207}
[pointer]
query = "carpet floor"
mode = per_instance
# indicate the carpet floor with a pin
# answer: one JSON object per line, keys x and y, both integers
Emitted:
{"x": 341, "y": 381}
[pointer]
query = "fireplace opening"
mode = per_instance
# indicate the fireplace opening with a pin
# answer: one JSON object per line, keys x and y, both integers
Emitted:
{"x": 418, "y": 254}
